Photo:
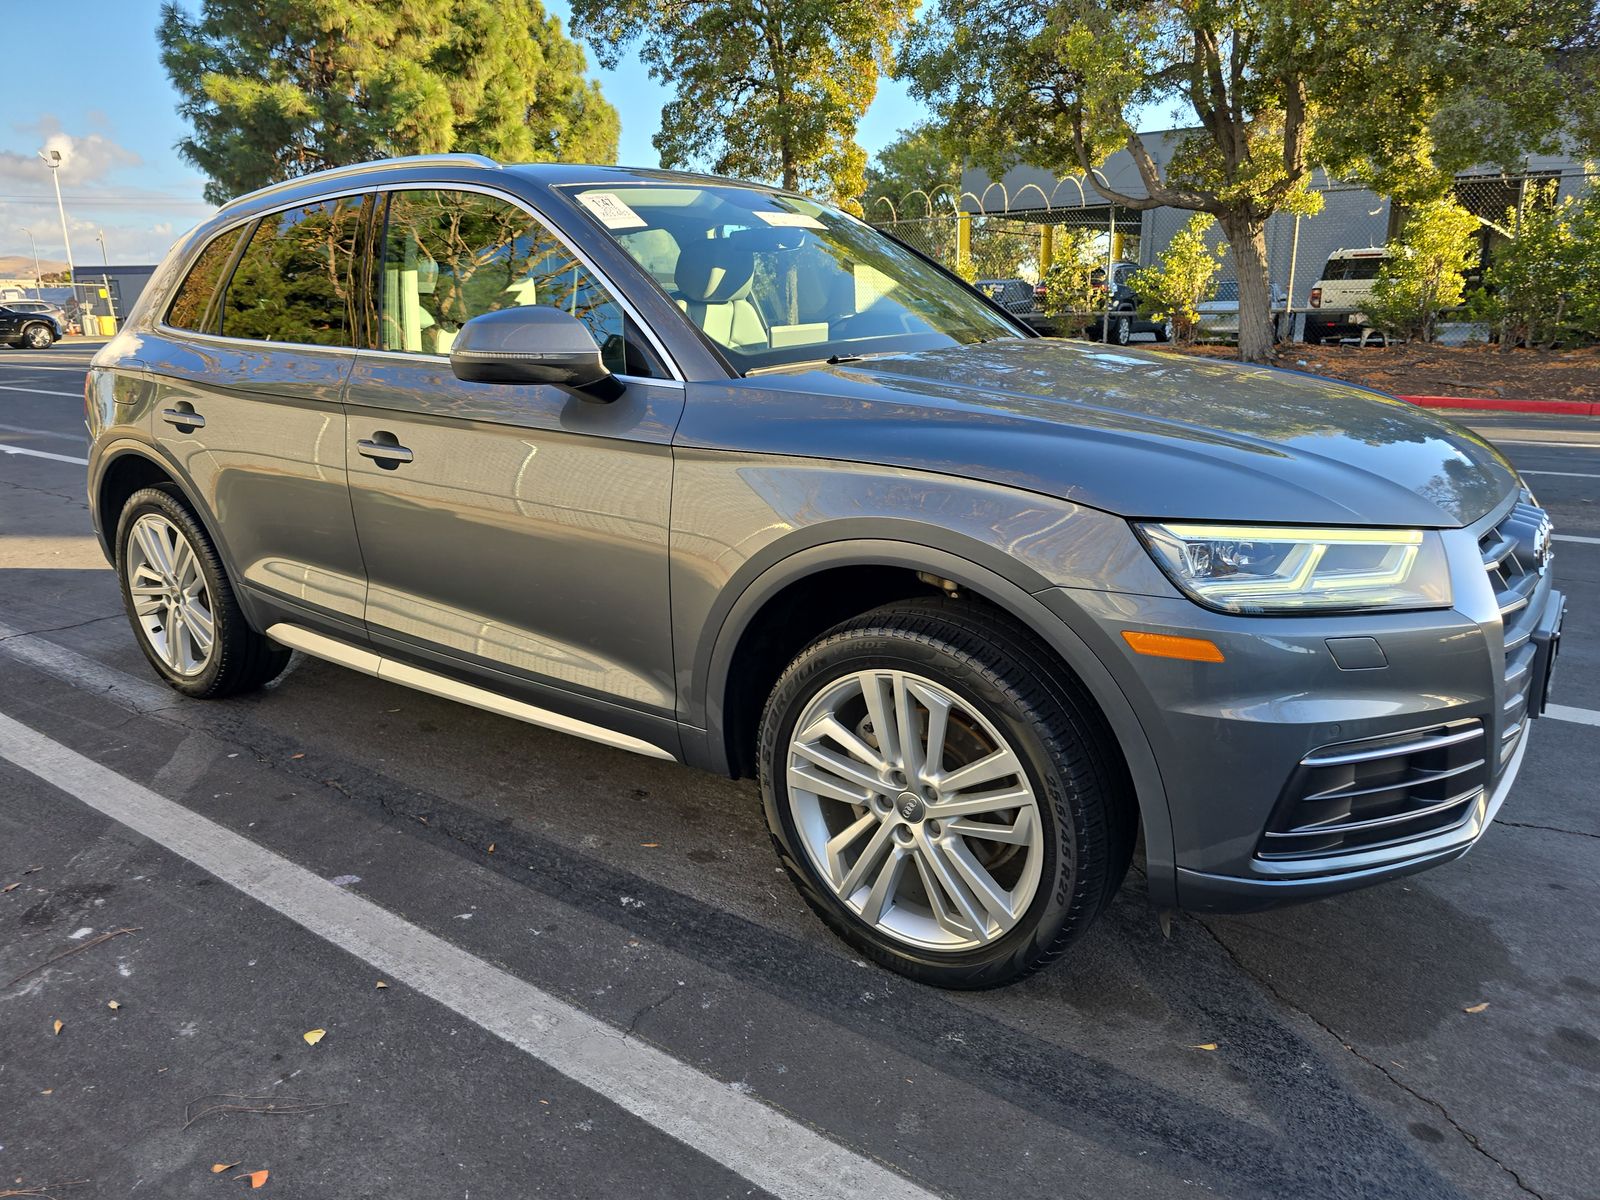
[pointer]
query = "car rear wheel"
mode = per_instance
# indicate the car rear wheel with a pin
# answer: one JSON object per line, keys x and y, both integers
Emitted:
{"x": 38, "y": 337}
{"x": 181, "y": 606}
{"x": 1122, "y": 330}
{"x": 940, "y": 796}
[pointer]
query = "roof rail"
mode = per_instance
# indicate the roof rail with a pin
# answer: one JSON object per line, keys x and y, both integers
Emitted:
{"x": 410, "y": 160}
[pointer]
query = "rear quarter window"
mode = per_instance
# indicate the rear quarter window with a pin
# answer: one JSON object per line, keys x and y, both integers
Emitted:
{"x": 191, "y": 307}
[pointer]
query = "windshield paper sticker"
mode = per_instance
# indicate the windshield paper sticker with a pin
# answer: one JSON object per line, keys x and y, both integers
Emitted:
{"x": 790, "y": 220}
{"x": 613, "y": 213}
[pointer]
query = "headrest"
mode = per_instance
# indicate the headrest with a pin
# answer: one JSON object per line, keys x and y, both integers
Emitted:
{"x": 714, "y": 271}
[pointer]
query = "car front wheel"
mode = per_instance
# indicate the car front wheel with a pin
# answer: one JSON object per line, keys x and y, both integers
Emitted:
{"x": 941, "y": 796}
{"x": 38, "y": 337}
{"x": 181, "y": 605}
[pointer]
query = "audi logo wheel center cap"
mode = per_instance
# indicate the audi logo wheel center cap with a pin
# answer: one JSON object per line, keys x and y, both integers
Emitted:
{"x": 910, "y": 806}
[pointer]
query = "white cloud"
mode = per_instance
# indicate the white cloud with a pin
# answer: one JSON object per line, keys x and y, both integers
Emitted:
{"x": 140, "y": 224}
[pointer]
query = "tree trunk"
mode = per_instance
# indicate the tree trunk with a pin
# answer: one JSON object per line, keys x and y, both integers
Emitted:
{"x": 1247, "y": 243}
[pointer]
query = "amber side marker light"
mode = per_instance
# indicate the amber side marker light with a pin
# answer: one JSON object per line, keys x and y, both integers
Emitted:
{"x": 1166, "y": 645}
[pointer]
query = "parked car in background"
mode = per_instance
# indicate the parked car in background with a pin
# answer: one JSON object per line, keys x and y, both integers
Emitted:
{"x": 1341, "y": 292}
{"x": 1017, "y": 296}
{"x": 43, "y": 307}
{"x": 980, "y": 610}
{"x": 29, "y": 330}
{"x": 1218, "y": 317}
{"x": 1122, "y": 322}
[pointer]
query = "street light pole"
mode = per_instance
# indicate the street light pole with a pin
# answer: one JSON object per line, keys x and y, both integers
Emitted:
{"x": 111, "y": 305}
{"x": 53, "y": 161}
{"x": 38, "y": 280}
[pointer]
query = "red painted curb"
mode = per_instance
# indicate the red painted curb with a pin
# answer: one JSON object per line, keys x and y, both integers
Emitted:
{"x": 1580, "y": 408}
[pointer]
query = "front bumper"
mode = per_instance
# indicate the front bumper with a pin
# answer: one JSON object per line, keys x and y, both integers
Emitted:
{"x": 1234, "y": 741}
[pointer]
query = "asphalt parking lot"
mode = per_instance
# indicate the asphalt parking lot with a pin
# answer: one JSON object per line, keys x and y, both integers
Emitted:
{"x": 596, "y": 982}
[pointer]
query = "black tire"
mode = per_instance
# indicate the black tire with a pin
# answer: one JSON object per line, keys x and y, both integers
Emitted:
{"x": 242, "y": 660}
{"x": 1122, "y": 330}
{"x": 31, "y": 338}
{"x": 1086, "y": 808}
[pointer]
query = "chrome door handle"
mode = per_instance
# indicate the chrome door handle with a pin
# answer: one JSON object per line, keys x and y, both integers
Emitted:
{"x": 184, "y": 418}
{"x": 385, "y": 454}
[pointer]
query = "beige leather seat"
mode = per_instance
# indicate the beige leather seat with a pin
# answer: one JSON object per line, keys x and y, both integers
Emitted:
{"x": 714, "y": 279}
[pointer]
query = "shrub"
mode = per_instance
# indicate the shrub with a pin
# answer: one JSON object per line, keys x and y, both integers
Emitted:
{"x": 1543, "y": 287}
{"x": 1069, "y": 291}
{"x": 1183, "y": 277}
{"x": 1426, "y": 271}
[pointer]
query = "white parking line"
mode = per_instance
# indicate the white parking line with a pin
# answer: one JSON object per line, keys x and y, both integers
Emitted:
{"x": 1564, "y": 474}
{"x": 7, "y": 448}
{"x": 1573, "y": 537}
{"x": 12, "y": 387}
{"x": 736, "y": 1130}
{"x": 1543, "y": 445}
{"x": 1563, "y": 712}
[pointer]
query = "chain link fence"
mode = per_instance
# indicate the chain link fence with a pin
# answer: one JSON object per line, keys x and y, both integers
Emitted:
{"x": 1018, "y": 244}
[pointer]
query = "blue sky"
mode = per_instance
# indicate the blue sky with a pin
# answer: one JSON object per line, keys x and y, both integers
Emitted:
{"x": 85, "y": 77}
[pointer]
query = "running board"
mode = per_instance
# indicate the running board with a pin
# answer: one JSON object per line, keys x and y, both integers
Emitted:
{"x": 345, "y": 655}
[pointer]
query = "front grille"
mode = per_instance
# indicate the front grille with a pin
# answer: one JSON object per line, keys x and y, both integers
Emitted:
{"x": 1516, "y": 555}
{"x": 1378, "y": 792}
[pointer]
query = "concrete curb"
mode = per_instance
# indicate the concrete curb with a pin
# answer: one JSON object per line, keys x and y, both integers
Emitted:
{"x": 1578, "y": 408}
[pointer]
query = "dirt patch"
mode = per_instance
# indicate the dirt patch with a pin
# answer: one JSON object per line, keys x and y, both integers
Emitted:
{"x": 1481, "y": 371}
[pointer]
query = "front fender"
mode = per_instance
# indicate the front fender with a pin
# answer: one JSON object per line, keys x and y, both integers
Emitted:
{"x": 983, "y": 571}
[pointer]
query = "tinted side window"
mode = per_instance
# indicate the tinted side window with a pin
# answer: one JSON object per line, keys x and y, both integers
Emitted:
{"x": 451, "y": 256}
{"x": 296, "y": 279}
{"x": 191, "y": 306}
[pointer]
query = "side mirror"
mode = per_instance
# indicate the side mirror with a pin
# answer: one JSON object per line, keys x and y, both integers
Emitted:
{"x": 532, "y": 344}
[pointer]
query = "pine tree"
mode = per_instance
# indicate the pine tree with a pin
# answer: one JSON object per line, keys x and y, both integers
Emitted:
{"x": 278, "y": 90}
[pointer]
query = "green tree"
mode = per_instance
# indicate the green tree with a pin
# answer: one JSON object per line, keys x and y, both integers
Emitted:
{"x": 282, "y": 89}
{"x": 1426, "y": 270}
{"x": 911, "y": 175}
{"x": 765, "y": 89}
{"x": 1182, "y": 278}
{"x": 1400, "y": 93}
{"x": 1543, "y": 286}
{"x": 1070, "y": 294}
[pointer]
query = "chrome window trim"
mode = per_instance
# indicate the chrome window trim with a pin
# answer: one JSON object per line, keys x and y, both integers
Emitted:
{"x": 380, "y": 190}
{"x": 234, "y": 227}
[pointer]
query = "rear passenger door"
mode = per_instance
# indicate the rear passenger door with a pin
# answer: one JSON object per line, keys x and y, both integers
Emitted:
{"x": 256, "y": 349}
{"x": 513, "y": 533}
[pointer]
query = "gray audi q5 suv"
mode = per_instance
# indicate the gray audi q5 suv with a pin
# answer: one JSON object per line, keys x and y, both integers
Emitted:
{"x": 716, "y": 473}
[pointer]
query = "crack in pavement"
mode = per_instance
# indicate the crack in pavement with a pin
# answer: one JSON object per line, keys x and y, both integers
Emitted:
{"x": 646, "y": 1011}
{"x": 1467, "y": 1135}
{"x": 26, "y": 633}
{"x": 24, "y": 487}
{"x": 1546, "y": 828}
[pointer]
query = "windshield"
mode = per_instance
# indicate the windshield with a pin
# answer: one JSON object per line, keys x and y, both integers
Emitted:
{"x": 775, "y": 279}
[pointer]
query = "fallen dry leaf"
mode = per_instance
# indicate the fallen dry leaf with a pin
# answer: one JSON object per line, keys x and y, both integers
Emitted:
{"x": 11, "y": 887}
{"x": 291, "y": 756}
{"x": 382, "y": 984}
{"x": 47, "y": 1092}
{"x": 1476, "y": 1008}
{"x": 649, "y": 845}
{"x": 58, "y": 1027}
{"x": 113, "y": 1004}
{"x": 491, "y": 847}
{"x": 219, "y": 1168}
{"x": 313, "y": 1036}
{"x": 1204, "y": 1046}
{"x": 256, "y": 1178}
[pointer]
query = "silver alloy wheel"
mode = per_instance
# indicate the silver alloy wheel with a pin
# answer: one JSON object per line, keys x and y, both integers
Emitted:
{"x": 171, "y": 602}
{"x": 915, "y": 810}
{"x": 38, "y": 337}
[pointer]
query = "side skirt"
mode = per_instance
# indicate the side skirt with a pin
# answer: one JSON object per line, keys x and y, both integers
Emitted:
{"x": 321, "y": 646}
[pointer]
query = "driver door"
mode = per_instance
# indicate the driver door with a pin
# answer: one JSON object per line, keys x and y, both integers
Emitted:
{"x": 512, "y": 533}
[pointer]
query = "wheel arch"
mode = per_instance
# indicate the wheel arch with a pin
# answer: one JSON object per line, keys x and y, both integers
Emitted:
{"x": 125, "y": 467}
{"x": 726, "y": 728}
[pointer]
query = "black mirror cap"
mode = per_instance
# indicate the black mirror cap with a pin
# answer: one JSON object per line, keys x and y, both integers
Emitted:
{"x": 532, "y": 344}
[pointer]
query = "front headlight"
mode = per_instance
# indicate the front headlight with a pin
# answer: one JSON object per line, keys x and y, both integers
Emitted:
{"x": 1277, "y": 569}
